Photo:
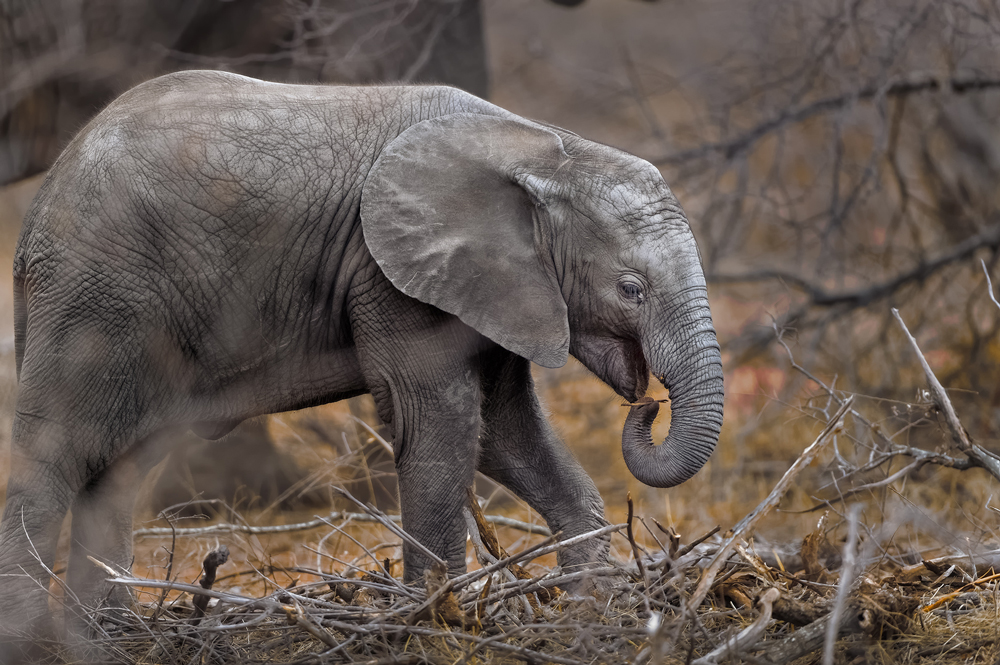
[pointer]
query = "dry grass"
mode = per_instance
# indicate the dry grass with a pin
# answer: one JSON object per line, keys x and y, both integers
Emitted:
{"x": 355, "y": 612}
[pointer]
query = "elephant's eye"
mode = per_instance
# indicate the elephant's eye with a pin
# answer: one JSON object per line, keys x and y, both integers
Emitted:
{"x": 630, "y": 291}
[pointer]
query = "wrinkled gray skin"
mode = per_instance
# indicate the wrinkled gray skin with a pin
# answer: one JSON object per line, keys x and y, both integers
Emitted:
{"x": 212, "y": 247}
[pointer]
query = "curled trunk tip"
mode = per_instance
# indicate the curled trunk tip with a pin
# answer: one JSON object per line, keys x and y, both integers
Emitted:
{"x": 694, "y": 431}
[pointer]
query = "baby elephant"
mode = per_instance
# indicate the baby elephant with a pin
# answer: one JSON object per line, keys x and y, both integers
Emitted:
{"x": 212, "y": 247}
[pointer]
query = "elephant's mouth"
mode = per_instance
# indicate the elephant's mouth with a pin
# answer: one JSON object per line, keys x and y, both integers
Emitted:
{"x": 616, "y": 361}
{"x": 637, "y": 371}
{"x": 626, "y": 370}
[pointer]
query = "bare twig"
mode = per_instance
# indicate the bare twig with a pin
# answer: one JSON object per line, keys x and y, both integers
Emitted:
{"x": 225, "y": 528}
{"x": 698, "y": 541}
{"x": 231, "y": 598}
{"x": 388, "y": 523}
{"x": 847, "y": 575}
{"x": 749, "y": 138}
{"x": 375, "y": 435}
{"x": 989, "y": 283}
{"x": 484, "y": 554}
{"x": 298, "y": 617}
{"x": 862, "y": 297}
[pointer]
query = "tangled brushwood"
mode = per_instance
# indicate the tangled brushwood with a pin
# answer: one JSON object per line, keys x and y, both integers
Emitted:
{"x": 850, "y": 592}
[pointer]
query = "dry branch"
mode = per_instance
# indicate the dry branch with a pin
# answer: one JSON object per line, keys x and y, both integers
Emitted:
{"x": 734, "y": 647}
{"x": 978, "y": 455}
{"x": 907, "y": 86}
{"x": 747, "y": 525}
{"x": 335, "y": 516}
{"x": 861, "y": 297}
{"x": 989, "y": 283}
{"x": 211, "y": 564}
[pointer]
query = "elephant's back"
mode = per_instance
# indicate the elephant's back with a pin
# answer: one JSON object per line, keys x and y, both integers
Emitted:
{"x": 202, "y": 177}
{"x": 224, "y": 145}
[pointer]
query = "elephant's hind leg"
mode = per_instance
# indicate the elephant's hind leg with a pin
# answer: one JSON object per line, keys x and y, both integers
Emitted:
{"x": 102, "y": 528}
{"x": 76, "y": 415}
{"x": 41, "y": 486}
{"x": 520, "y": 451}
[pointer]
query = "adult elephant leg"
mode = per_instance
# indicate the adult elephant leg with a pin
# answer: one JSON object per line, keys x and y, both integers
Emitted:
{"x": 522, "y": 452}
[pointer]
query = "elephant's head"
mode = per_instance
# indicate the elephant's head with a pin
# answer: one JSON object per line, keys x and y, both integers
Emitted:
{"x": 550, "y": 244}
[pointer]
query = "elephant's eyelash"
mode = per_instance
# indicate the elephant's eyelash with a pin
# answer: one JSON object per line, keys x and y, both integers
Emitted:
{"x": 631, "y": 291}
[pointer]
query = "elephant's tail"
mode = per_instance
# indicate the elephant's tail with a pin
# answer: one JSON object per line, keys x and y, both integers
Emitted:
{"x": 20, "y": 313}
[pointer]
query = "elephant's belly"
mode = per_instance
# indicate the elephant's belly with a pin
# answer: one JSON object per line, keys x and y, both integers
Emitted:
{"x": 295, "y": 383}
{"x": 316, "y": 380}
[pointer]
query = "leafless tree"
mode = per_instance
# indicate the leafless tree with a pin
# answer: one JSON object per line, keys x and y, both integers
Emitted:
{"x": 844, "y": 161}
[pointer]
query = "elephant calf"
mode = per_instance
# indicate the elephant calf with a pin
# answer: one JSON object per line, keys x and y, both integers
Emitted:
{"x": 212, "y": 247}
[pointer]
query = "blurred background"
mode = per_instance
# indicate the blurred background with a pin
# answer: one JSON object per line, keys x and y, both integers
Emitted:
{"x": 836, "y": 159}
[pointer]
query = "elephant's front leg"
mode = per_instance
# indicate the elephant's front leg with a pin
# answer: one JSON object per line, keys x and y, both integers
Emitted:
{"x": 520, "y": 451}
{"x": 421, "y": 367}
{"x": 435, "y": 462}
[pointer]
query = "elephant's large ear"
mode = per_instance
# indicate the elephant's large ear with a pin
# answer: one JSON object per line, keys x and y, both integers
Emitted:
{"x": 447, "y": 217}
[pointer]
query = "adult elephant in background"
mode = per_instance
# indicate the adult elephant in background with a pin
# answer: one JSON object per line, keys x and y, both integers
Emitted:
{"x": 66, "y": 59}
{"x": 213, "y": 247}
{"x": 69, "y": 58}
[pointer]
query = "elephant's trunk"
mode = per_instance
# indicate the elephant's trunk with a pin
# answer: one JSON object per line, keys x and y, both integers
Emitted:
{"x": 695, "y": 384}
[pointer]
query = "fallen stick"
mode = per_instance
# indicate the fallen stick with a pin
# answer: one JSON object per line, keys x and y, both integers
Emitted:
{"x": 195, "y": 590}
{"x": 746, "y": 639}
{"x": 489, "y": 550}
{"x": 955, "y": 594}
{"x": 224, "y": 528}
{"x": 504, "y": 591}
{"x": 811, "y": 638}
{"x": 485, "y": 556}
{"x": 747, "y": 525}
{"x": 298, "y": 617}
{"x": 968, "y": 564}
